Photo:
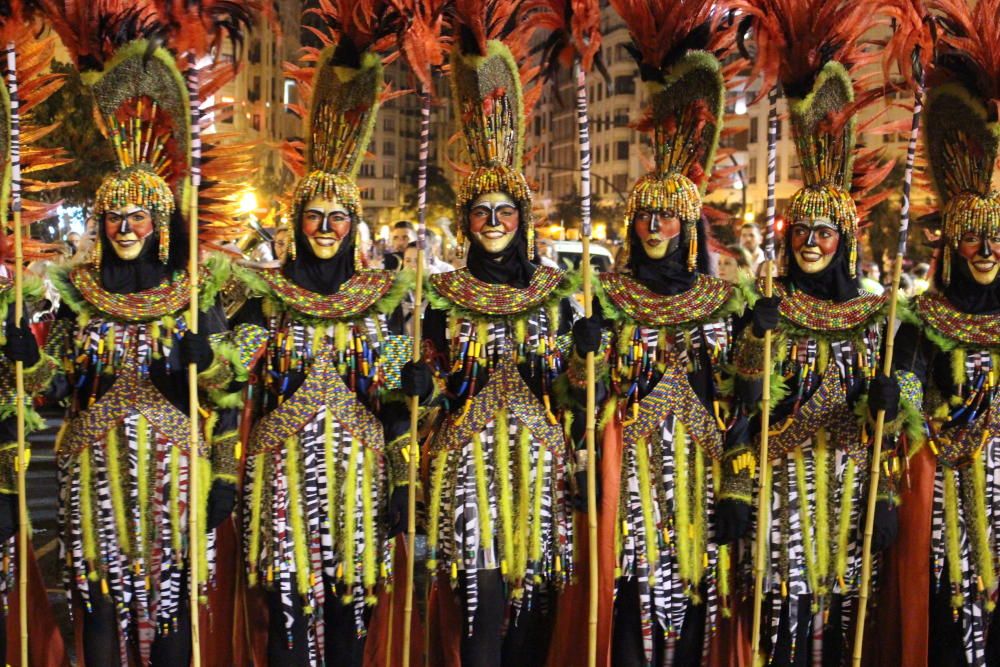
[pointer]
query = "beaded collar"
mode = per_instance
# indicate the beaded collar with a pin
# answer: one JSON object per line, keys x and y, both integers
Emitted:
{"x": 466, "y": 291}
{"x": 361, "y": 291}
{"x": 167, "y": 298}
{"x": 812, "y": 314}
{"x": 705, "y": 297}
{"x": 939, "y": 315}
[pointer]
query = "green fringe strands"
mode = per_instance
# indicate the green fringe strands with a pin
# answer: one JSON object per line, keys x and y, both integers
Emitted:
{"x": 482, "y": 331}
{"x": 370, "y": 574}
{"x": 645, "y": 491}
{"x": 482, "y": 494}
{"x": 502, "y": 440}
{"x": 204, "y": 468}
{"x": 805, "y": 517}
{"x": 87, "y": 507}
{"x": 175, "y": 500}
{"x": 821, "y": 462}
{"x": 984, "y": 556}
{"x": 350, "y": 502}
{"x": 521, "y": 536}
{"x": 117, "y": 501}
{"x": 844, "y": 523}
{"x": 331, "y": 474}
{"x": 438, "y": 467}
{"x": 255, "y": 512}
{"x": 300, "y": 553}
{"x": 951, "y": 537}
{"x": 699, "y": 539}
{"x": 520, "y": 330}
{"x": 682, "y": 504}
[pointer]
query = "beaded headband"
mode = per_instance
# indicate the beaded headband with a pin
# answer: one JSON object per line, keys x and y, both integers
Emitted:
{"x": 675, "y": 193}
{"x": 342, "y": 116}
{"x": 488, "y": 100}
{"x": 962, "y": 146}
{"x": 143, "y": 108}
{"x": 823, "y": 130}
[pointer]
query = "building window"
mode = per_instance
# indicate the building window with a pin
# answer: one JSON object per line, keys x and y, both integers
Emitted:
{"x": 388, "y": 148}
{"x": 367, "y": 170}
{"x": 389, "y": 194}
{"x": 389, "y": 124}
{"x": 256, "y": 122}
{"x": 624, "y": 85}
{"x": 754, "y": 123}
{"x": 368, "y": 193}
{"x": 620, "y": 182}
{"x": 621, "y": 150}
{"x": 779, "y": 130}
{"x": 794, "y": 171}
{"x": 751, "y": 172}
{"x": 777, "y": 169}
{"x": 388, "y": 170}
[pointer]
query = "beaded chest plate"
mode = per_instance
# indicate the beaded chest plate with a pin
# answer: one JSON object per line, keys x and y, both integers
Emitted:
{"x": 641, "y": 304}
{"x": 166, "y": 298}
{"x": 359, "y": 293}
{"x": 808, "y": 312}
{"x": 938, "y": 314}
{"x": 465, "y": 290}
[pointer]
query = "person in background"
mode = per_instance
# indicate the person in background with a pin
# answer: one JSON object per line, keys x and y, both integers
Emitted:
{"x": 750, "y": 238}
{"x": 435, "y": 263}
{"x": 734, "y": 264}
{"x": 920, "y": 282}
{"x": 279, "y": 244}
{"x": 403, "y": 234}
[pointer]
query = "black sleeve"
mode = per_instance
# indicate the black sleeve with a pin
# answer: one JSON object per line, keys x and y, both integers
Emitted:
{"x": 435, "y": 330}
{"x": 252, "y": 312}
{"x": 913, "y": 352}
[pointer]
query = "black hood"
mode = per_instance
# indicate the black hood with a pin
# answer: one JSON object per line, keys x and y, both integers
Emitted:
{"x": 669, "y": 275}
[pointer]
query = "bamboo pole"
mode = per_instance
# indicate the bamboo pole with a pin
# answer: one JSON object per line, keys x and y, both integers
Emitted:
{"x": 418, "y": 296}
{"x": 22, "y": 450}
{"x": 763, "y": 495}
{"x": 583, "y": 126}
{"x": 194, "y": 497}
{"x": 897, "y": 270}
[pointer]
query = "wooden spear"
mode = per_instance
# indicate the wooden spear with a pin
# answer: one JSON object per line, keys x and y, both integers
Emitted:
{"x": 897, "y": 270}
{"x": 763, "y": 495}
{"x": 418, "y": 295}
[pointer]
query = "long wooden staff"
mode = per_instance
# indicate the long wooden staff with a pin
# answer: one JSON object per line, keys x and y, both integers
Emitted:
{"x": 418, "y": 296}
{"x": 763, "y": 496}
{"x": 897, "y": 270}
{"x": 22, "y": 452}
{"x": 583, "y": 129}
{"x": 194, "y": 467}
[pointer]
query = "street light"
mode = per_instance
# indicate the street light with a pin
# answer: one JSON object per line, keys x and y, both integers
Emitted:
{"x": 248, "y": 202}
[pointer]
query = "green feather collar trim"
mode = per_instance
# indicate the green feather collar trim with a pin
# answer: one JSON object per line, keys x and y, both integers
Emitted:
{"x": 709, "y": 299}
{"x": 80, "y": 287}
{"x": 367, "y": 291}
{"x": 462, "y": 293}
{"x": 949, "y": 328}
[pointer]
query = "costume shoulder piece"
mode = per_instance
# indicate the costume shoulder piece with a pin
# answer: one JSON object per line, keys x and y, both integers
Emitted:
{"x": 80, "y": 287}
{"x": 366, "y": 291}
{"x": 826, "y": 318}
{"x": 709, "y": 298}
{"x": 460, "y": 290}
{"x": 951, "y": 327}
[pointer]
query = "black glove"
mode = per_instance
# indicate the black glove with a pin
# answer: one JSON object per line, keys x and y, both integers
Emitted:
{"x": 738, "y": 434}
{"x": 885, "y": 528}
{"x": 580, "y": 501}
{"x": 416, "y": 379}
{"x": 8, "y": 516}
{"x": 195, "y": 349}
{"x": 587, "y": 335}
{"x": 21, "y": 345}
{"x": 732, "y": 520}
{"x": 765, "y": 315}
{"x": 883, "y": 394}
{"x": 399, "y": 510}
{"x": 221, "y": 501}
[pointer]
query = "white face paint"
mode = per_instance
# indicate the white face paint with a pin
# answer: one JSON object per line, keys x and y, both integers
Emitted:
{"x": 493, "y": 221}
{"x": 127, "y": 229}
{"x": 325, "y": 224}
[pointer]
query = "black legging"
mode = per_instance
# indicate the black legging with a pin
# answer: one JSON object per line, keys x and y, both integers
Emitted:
{"x": 626, "y": 639}
{"x": 100, "y": 634}
{"x": 526, "y": 643}
{"x": 344, "y": 648}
